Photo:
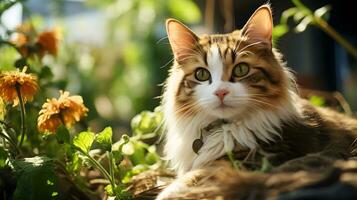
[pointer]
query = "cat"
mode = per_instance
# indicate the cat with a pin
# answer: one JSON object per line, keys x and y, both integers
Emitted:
{"x": 233, "y": 91}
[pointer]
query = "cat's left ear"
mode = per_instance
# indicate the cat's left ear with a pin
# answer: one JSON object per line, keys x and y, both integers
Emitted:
{"x": 259, "y": 27}
{"x": 183, "y": 41}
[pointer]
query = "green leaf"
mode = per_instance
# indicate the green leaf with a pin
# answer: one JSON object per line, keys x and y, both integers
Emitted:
{"x": 84, "y": 141}
{"x": 27, "y": 164}
{"x": 119, "y": 192}
{"x": 137, "y": 156}
{"x": 104, "y": 139}
{"x": 36, "y": 178}
{"x": 109, "y": 190}
{"x": 185, "y": 10}
{"x": 147, "y": 122}
{"x": 46, "y": 73}
{"x": 75, "y": 164}
{"x": 62, "y": 135}
{"x": 317, "y": 101}
{"x": 266, "y": 166}
{"x": 151, "y": 158}
{"x": 134, "y": 171}
{"x": 3, "y": 157}
{"x": 118, "y": 157}
{"x": 279, "y": 31}
{"x": 2, "y": 109}
{"x": 20, "y": 63}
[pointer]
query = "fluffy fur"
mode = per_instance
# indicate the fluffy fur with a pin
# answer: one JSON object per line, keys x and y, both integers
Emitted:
{"x": 256, "y": 104}
{"x": 262, "y": 107}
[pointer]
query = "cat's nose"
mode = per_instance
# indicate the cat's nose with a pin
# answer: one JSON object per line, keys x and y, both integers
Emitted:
{"x": 221, "y": 93}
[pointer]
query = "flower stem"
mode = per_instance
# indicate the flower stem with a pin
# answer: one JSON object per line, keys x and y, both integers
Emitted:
{"x": 232, "y": 160}
{"x": 324, "y": 26}
{"x": 23, "y": 114}
{"x": 101, "y": 169}
{"x": 111, "y": 165}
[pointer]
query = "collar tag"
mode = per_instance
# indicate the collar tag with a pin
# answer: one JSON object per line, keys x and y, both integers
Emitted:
{"x": 198, "y": 143}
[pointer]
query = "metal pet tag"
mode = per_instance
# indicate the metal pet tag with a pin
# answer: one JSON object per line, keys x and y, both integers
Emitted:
{"x": 196, "y": 145}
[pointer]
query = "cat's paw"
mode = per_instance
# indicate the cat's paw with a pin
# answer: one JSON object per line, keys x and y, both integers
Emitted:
{"x": 172, "y": 191}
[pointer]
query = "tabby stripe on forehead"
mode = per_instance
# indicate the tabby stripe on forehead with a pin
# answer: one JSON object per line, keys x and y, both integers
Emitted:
{"x": 233, "y": 54}
{"x": 225, "y": 51}
{"x": 205, "y": 58}
{"x": 267, "y": 75}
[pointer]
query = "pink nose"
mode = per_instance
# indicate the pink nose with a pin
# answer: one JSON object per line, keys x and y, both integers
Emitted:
{"x": 221, "y": 93}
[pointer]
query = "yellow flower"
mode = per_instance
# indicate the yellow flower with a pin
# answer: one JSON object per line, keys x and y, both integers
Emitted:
{"x": 64, "y": 110}
{"x": 27, "y": 84}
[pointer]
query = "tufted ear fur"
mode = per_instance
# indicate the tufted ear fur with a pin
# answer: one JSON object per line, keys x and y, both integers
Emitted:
{"x": 182, "y": 40}
{"x": 259, "y": 27}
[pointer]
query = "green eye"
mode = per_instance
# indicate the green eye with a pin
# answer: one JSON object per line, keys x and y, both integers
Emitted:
{"x": 241, "y": 70}
{"x": 202, "y": 74}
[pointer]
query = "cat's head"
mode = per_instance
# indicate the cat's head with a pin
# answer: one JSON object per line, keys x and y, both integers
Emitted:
{"x": 229, "y": 75}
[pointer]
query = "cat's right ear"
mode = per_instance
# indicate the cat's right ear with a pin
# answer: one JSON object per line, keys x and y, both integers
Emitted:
{"x": 182, "y": 40}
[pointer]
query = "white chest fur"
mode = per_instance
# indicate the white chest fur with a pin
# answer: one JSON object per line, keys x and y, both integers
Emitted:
{"x": 263, "y": 125}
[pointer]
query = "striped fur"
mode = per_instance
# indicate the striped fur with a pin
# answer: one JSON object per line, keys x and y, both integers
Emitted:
{"x": 256, "y": 105}
{"x": 260, "y": 106}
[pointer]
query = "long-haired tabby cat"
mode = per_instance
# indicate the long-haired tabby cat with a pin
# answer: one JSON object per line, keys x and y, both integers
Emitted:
{"x": 232, "y": 90}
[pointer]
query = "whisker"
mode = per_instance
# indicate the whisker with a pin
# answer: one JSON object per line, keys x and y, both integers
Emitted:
{"x": 166, "y": 64}
{"x": 250, "y": 45}
{"x": 162, "y": 39}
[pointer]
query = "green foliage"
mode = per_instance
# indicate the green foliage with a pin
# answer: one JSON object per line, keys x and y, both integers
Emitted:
{"x": 2, "y": 109}
{"x": 302, "y": 16}
{"x": 132, "y": 150}
{"x": 63, "y": 135}
{"x": 317, "y": 101}
{"x": 266, "y": 165}
{"x": 134, "y": 71}
{"x": 148, "y": 124}
{"x": 83, "y": 141}
{"x": 3, "y": 158}
{"x": 120, "y": 192}
{"x": 75, "y": 164}
{"x": 104, "y": 139}
{"x": 185, "y": 10}
{"x": 36, "y": 178}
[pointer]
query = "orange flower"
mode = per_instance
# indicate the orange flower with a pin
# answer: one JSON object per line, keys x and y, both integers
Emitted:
{"x": 23, "y": 39}
{"x": 48, "y": 42}
{"x": 27, "y": 84}
{"x": 64, "y": 110}
{"x": 29, "y": 43}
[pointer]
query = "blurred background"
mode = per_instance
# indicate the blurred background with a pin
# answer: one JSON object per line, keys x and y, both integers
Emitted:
{"x": 115, "y": 53}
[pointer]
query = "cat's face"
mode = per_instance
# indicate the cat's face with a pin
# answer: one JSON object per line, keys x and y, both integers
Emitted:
{"x": 227, "y": 76}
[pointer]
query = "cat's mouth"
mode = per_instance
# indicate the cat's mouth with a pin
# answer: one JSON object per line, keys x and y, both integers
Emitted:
{"x": 223, "y": 106}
